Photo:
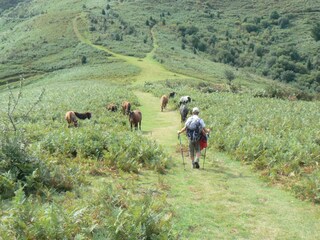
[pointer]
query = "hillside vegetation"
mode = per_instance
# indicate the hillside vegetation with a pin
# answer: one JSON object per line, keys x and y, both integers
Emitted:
{"x": 244, "y": 63}
{"x": 278, "y": 40}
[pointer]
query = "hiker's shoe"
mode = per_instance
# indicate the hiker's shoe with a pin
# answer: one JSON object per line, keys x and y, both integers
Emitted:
{"x": 194, "y": 165}
{"x": 197, "y": 165}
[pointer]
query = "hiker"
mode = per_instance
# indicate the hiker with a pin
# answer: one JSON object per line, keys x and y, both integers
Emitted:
{"x": 195, "y": 127}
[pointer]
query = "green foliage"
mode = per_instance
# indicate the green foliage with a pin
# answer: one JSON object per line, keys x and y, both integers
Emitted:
{"x": 111, "y": 214}
{"x": 283, "y": 22}
{"x": 251, "y": 27}
{"x": 274, "y": 15}
{"x": 315, "y": 31}
{"x": 69, "y": 156}
{"x": 5, "y": 4}
{"x": 288, "y": 76}
{"x": 18, "y": 167}
{"x": 130, "y": 219}
{"x": 277, "y": 137}
{"x": 229, "y": 75}
{"x": 128, "y": 151}
{"x": 83, "y": 59}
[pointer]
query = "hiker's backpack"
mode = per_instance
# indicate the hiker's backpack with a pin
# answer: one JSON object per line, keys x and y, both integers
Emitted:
{"x": 194, "y": 130}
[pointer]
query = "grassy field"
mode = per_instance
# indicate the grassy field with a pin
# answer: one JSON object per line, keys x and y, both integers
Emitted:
{"x": 102, "y": 181}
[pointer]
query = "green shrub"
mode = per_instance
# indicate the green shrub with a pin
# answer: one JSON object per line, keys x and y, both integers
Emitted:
{"x": 18, "y": 167}
{"x": 283, "y": 22}
{"x": 251, "y": 27}
{"x": 229, "y": 75}
{"x": 315, "y": 32}
{"x": 126, "y": 151}
{"x": 274, "y": 15}
{"x": 288, "y": 76}
{"x": 145, "y": 217}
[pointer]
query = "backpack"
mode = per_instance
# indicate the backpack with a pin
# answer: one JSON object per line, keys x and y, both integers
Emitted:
{"x": 194, "y": 131}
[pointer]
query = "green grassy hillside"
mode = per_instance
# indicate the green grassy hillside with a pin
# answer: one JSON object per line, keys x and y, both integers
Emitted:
{"x": 103, "y": 181}
{"x": 191, "y": 37}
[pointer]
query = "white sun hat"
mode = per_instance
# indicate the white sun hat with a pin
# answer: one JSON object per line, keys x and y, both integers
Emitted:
{"x": 195, "y": 110}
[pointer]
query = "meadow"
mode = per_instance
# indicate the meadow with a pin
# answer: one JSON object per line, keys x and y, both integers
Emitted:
{"x": 54, "y": 162}
{"x": 102, "y": 181}
{"x": 276, "y": 137}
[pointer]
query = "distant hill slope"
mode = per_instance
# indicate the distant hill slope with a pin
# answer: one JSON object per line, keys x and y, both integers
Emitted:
{"x": 271, "y": 38}
{"x": 5, "y": 4}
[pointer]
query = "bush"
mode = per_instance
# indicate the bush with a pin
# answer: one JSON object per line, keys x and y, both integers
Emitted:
{"x": 315, "y": 32}
{"x": 142, "y": 218}
{"x": 83, "y": 59}
{"x": 259, "y": 51}
{"x": 274, "y": 15}
{"x": 283, "y": 22}
{"x": 229, "y": 75}
{"x": 128, "y": 152}
{"x": 20, "y": 168}
{"x": 251, "y": 27}
{"x": 288, "y": 76}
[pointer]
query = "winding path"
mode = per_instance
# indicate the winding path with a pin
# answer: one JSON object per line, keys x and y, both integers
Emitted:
{"x": 225, "y": 198}
{"x": 151, "y": 70}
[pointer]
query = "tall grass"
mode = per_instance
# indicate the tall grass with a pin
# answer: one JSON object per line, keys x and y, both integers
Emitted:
{"x": 49, "y": 193}
{"x": 276, "y": 137}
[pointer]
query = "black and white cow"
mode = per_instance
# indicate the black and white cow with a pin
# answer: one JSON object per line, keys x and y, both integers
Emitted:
{"x": 184, "y": 100}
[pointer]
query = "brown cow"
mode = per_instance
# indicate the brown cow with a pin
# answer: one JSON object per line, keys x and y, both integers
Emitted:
{"x": 112, "y": 107}
{"x": 135, "y": 118}
{"x": 71, "y": 117}
{"x": 126, "y": 107}
{"x": 164, "y": 102}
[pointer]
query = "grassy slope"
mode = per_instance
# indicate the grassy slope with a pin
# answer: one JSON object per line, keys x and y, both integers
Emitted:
{"x": 224, "y": 201}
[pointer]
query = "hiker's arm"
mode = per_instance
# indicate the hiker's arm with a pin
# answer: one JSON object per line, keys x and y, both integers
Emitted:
{"x": 205, "y": 130}
{"x": 182, "y": 130}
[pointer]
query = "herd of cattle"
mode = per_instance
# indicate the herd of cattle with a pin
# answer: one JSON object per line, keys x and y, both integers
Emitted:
{"x": 135, "y": 116}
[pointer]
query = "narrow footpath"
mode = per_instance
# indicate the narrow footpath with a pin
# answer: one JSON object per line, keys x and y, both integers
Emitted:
{"x": 225, "y": 200}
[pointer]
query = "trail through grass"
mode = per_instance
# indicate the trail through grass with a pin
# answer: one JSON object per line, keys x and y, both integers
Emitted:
{"x": 151, "y": 70}
{"x": 224, "y": 200}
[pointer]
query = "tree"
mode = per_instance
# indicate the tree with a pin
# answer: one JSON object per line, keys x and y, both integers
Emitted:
{"x": 288, "y": 76}
{"x": 229, "y": 75}
{"x": 83, "y": 59}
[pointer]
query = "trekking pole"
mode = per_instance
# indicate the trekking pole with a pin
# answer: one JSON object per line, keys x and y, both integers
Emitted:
{"x": 184, "y": 167}
{"x": 204, "y": 157}
{"x": 205, "y": 151}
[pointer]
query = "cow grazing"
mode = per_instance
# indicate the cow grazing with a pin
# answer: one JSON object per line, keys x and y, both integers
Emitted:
{"x": 71, "y": 117}
{"x": 112, "y": 107}
{"x": 164, "y": 102}
{"x": 135, "y": 118}
{"x": 172, "y": 94}
{"x": 184, "y": 100}
{"x": 184, "y": 112}
{"x": 126, "y": 107}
